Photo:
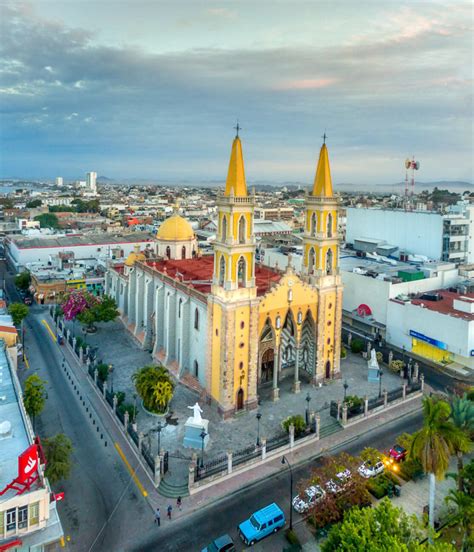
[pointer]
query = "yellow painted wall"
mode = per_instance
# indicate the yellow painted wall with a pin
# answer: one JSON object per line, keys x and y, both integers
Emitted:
{"x": 430, "y": 351}
{"x": 216, "y": 351}
{"x": 241, "y": 354}
{"x": 235, "y": 261}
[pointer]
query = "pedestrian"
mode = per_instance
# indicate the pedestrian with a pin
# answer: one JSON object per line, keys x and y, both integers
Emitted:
{"x": 178, "y": 503}
{"x": 170, "y": 509}
{"x": 158, "y": 517}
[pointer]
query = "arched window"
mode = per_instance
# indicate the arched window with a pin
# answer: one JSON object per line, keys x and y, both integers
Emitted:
{"x": 183, "y": 252}
{"x": 311, "y": 259}
{"x": 329, "y": 262}
{"x": 329, "y": 225}
{"x": 224, "y": 228}
{"x": 241, "y": 272}
{"x": 196, "y": 319}
{"x": 313, "y": 224}
{"x": 196, "y": 369}
{"x": 168, "y": 252}
{"x": 242, "y": 228}
{"x": 222, "y": 271}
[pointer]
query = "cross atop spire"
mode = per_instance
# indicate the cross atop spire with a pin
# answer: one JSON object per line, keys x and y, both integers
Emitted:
{"x": 237, "y": 128}
{"x": 324, "y": 137}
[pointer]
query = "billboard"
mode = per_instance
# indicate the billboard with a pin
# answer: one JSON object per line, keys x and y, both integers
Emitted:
{"x": 27, "y": 463}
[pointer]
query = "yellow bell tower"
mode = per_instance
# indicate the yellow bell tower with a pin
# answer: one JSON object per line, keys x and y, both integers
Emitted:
{"x": 233, "y": 304}
{"x": 320, "y": 266}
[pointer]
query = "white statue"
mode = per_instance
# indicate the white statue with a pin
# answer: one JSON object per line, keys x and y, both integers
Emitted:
{"x": 373, "y": 359}
{"x": 197, "y": 411}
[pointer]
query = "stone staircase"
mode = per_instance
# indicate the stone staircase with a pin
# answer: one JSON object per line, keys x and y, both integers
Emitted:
{"x": 328, "y": 429}
{"x": 172, "y": 491}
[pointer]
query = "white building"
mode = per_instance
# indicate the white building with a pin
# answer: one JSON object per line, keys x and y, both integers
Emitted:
{"x": 92, "y": 182}
{"x": 59, "y": 181}
{"x": 425, "y": 233}
{"x": 20, "y": 251}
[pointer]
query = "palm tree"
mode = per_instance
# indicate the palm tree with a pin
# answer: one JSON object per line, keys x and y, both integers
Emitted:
{"x": 433, "y": 445}
{"x": 464, "y": 514}
{"x": 462, "y": 416}
{"x": 155, "y": 387}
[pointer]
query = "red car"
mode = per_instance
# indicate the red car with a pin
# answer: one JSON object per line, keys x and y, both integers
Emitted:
{"x": 397, "y": 453}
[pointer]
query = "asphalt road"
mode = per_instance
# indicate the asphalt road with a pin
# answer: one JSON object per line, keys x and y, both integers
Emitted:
{"x": 194, "y": 532}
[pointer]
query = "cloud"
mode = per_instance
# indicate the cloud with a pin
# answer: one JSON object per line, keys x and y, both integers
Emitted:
{"x": 163, "y": 115}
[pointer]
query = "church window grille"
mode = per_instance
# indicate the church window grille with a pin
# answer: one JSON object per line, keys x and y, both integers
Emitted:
{"x": 313, "y": 224}
{"x": 329, "y": 262}
{"x": 242, "y": 228}
{"x": 222, "y": 270}
{"x": 224, "y": 228}
{"x": 183, "y": 252}
{"x": 241, "y": 270}
{"x": 168, "y": 252}
{"x": 329, "y": 226}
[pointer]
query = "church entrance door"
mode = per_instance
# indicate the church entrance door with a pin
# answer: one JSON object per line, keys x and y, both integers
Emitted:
{"x": 240, "y": 399}
{"x": 267, "y": 366}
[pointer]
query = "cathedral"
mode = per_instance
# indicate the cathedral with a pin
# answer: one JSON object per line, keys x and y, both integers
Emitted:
{"x": 231, "y": 323}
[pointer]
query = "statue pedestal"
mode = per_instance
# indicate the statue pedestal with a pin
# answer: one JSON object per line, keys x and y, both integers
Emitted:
{"x": 373, "y": 375}
{"x": 192, "y": 433}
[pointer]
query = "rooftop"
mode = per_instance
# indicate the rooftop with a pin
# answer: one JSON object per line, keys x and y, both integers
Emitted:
{"x": 80, "y": 240}
{"x": 444, "y": 304}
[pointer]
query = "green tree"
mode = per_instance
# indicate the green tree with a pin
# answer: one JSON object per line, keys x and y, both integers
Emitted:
{"x": 155, "y": 387}
{"x": 48, "y": 220}
{"x": 297, "y": 421}
{"x": 384, "y": 528}
{"x": 434, "y": 443}
{"x": 34, "y": 396}
{"x": 34, "y": 203}
{"x": 357, "y": 345}
{"x": 462, "y": 416}
{"x": 61, "y": 208}
{"x": 18, "y": 312}
{"x": 58, "y": 450}
{"x": 464, "y": 504}
{"x": 23, "y": 280}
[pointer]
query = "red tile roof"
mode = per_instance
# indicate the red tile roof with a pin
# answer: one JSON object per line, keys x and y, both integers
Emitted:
{"x": 198, "y": 272}
{"x": 445, "y": 305}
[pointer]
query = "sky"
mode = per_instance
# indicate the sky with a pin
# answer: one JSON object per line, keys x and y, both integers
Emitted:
{"x": 153, "y": 90}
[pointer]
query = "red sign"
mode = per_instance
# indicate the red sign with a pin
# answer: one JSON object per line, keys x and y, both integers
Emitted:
{"x": 364, "y": 310}
{"x": 27, "y": 463}
{"x": 58, "y": 497}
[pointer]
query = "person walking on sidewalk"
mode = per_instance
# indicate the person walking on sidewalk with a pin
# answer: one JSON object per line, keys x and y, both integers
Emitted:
{"x": 170, "y": 509}
{"x": 178, "y": 503}
{"x": 158, "y": 517}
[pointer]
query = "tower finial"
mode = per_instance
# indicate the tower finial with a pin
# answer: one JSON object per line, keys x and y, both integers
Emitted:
{"x": 237, "y": 128}
{"x": 324, "y": 136}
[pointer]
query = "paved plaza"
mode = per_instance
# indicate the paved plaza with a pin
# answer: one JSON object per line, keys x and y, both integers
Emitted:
{"x": 118, "y": 347}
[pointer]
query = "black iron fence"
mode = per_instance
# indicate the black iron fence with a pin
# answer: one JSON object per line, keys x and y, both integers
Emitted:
{"x": 148, "y": 457}
{"x": 213, "y": 467}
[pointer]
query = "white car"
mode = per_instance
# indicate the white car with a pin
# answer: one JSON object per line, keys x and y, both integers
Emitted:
{"x": 367, "y": 469}
{"x": 337, "y": 484}
{"x": 302, "y": 503}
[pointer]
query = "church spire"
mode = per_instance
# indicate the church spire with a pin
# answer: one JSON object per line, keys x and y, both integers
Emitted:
{"x": 322, "y": 186}
{"x": 235, "y": 183}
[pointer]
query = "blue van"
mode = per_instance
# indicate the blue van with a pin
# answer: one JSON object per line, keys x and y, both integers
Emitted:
{"x": 261, "y": 524}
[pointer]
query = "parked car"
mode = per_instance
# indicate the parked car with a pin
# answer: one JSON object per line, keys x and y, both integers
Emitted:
{"x": 367, "y": 469}
{"x": 310, "y": 496}
{"x": 221, "y": 544}
{"x": 261, "y": 524}
{"x": 337, "y": 484}
{"x": 397, "y": 454}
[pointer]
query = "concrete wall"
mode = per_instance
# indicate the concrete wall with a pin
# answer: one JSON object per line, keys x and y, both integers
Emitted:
{"x": 417, "y": 232}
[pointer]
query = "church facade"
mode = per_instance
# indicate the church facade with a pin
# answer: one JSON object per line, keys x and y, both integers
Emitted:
{"x": 233, "y": 324}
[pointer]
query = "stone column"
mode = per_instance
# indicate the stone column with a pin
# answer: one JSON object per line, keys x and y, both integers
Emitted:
{"x": 317, "y": 419}
{"x": 81, "y": 354}
{"x": 369, "y": 348}
{"x": 229, "y": 461}
{"x": 96, "y": 375}
{"x": 349, "y": 339}
{"x": 88, "y": 350}
{"x": 385, "y": 398}
{"x": 404, "y": 391}
{"x": 344, "y": 414}
{"x": 292, "y": 435}
{"x": 297, "y": 383}
{"x": 366, "y": 406}
{"x": 68, "y": 334}
{"x": 416, "y": 368}
{"x": 104, "y": 389}
{"x": 422, "y": 381}
{"x": 192, "y": 468}
{"x": 390, "y": 358}
{"x": 276, "y": 369}
{"x": 114, "y": 402}
{"x": 157, "y": 474}
{"x": 125, "y": 420}
{"x": 88, "y": 363}
{"x": 74, "y": 341}
{"x": 338, "y": 409}
{"x": 140, "y": 441}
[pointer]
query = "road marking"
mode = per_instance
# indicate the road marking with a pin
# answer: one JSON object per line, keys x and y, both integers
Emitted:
{"x": 53, "y": 337}
{"x": 27, "y": 362}
{"x": 129, "y": 468}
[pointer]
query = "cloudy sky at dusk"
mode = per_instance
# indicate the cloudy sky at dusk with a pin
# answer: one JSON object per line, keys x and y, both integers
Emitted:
{"x": 153, "y": 89}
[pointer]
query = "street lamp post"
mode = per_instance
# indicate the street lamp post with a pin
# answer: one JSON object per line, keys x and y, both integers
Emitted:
{"x": 307, "y": 399}
{"x": 258, "y": 416}
{"x": 380, "y": 382}
{"x": 284, "y": 460}
{"x": 158, "y": 430}
{"x": 134, "y": 408}
{"x": 345, "y": 385}
{"x": 403, "y": 359}
{"x": 203, "y": 436}
{"x": 111, "y": 372}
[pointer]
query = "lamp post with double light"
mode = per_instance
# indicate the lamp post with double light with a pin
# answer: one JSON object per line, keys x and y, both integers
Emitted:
{"x": 258, "y": 416}
{"x": 307, "y": 399}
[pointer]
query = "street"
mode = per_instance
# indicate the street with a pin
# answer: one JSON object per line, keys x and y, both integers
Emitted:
{"x": 194, "y": 532}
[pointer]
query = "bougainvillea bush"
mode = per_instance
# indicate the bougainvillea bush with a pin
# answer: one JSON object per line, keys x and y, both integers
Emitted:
{"x": 89, "y": 309}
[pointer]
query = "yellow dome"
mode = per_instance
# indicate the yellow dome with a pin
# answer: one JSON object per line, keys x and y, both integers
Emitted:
{"x": 175, "y": 228}
{"x": 133, "y": 257}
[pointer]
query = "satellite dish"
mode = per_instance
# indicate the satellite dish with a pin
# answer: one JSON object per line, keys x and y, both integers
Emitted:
{"x": 407, "y": 163}
{"x": 417, "y": 165}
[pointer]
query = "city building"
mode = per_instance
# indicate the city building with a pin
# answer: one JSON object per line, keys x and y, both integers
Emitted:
{"x": 59, "y": 181}
{"x": 274, "y": 213}
{"x": 29, "y": 520}
{"x": 91, "y": 180}
{"x": 229, "y": 322}
{"x": 428, "y": 234}
{"x": 20, "y": 251}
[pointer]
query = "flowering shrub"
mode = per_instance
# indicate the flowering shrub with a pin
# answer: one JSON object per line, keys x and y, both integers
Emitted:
{"x": 89, "y": 309}
{"x": 77, "y": 302}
